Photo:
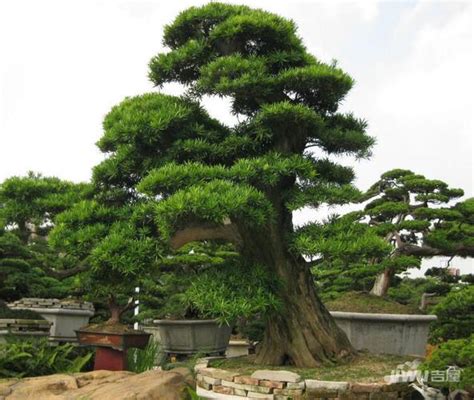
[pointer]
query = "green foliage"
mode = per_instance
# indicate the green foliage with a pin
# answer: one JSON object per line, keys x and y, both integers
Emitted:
{"x": 233, "y": 291}
{"x": 458, "y": 353}
{"x": 214, "y": 202}
{"x": 22, "y": 358}
{"x": 455, "y": 315}
{"x": 409, "y": 291}
{"x": 343, "y": 251}
{"x": 35, "y": 200}
{"x": 141, "y": 360}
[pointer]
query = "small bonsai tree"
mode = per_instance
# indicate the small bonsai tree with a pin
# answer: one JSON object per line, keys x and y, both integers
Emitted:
{"x": 114, "y": 252}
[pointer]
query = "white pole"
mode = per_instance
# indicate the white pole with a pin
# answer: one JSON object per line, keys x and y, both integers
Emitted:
{"x": 137, "y": 308}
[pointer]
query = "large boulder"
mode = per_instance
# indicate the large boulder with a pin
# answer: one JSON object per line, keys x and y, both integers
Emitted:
{"x": 100, "y": 385}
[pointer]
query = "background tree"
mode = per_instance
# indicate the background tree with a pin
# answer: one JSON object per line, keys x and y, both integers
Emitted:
{"x": 342, "y": 251}
{"x": 413, "y": 214}
{"x": 240, "y": 184}
{"x": 28, "y": 266}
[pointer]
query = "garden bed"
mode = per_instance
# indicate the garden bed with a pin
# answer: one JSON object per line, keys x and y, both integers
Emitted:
{"x": 365, "y": 367}
{"x": 364, "y": 377}
{"x": 366, "y": 303}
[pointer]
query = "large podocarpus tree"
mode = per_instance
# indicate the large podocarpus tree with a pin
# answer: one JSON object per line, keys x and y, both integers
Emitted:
{"x": 240, "y": 184}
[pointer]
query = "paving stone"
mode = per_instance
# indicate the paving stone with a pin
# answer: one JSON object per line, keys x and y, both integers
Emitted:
{"x": 272, "y": 384}
{"x": 313, "y": 385}
{"x": 296, "y": 385}
{"x": 210, "y": 380}
{"x": 270, "y": 375}
{"x": 366, "y": 387}
{"x": 222, "y": 389}
{"x": 234, "y": 385}
{"x": 254, "y": 395}
{"x": 204, "y": 385}
{"x": 288, "y": 392}
{"x": 246, "y": 379}
{"x": 240, "y": 392}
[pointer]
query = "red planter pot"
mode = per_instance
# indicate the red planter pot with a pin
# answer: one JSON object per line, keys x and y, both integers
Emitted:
{"x": 111, "y": 346}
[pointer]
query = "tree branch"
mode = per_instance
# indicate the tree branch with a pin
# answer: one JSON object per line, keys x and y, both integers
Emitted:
{"x": 428, "y": 251}
{"x": 227, "y": 232}
{"x": 65, "y": 273}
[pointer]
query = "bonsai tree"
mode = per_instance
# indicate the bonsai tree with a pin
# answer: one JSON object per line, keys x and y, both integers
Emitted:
{"x": 206, "y": 181}
{"x": 112, "y": 250}
{"x": 342, "y": 251}
{"x": 413, "y": 214}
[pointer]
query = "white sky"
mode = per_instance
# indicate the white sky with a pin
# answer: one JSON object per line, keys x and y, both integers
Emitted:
{"x": 65, "y": 63}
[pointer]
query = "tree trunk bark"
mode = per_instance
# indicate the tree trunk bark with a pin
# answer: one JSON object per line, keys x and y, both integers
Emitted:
{"x": 303, "y": 334}
{"x": 382, "y": 283}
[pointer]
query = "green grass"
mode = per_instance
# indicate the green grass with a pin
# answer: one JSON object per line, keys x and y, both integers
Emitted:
{"x": 367, "y": 303}
{"x": 363, "y": 368}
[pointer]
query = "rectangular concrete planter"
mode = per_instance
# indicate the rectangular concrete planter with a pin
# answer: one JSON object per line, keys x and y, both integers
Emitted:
{"x": 64, "y": 322}
{"x": 400, "y": 334}
{"x": 238, "y": 348}
{"x": 23, "y": 328}
{"x": 192, "y": 336}
{"x": 66, "y": 315}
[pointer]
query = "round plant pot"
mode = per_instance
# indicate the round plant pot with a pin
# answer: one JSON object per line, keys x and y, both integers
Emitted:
{"x": 193, "y": 336}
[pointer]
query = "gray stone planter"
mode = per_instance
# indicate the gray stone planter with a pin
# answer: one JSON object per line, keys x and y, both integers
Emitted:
{"x": 65, "y": 316}
{"x": 192, "y": 336}
{"x": 23, "y": 328}
{"x": 238, "y": 348}
{"x": 400, "y": 334}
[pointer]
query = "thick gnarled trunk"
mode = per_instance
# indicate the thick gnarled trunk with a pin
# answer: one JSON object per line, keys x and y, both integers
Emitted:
{"x": 303, "y": 334}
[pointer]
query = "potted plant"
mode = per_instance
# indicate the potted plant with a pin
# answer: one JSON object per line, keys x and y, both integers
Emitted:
{"x": 206, "y": 293}
{"x": 99, "y": 236}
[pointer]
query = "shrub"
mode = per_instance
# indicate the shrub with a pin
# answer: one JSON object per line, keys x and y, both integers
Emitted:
{"x": 21, "y": 358}
{"x": 455, "y": 315}
{"x": 141, "y": 360}
{"x": 459, "y": 353}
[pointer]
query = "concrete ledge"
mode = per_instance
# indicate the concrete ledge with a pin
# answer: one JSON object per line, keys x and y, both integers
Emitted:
{"x": 383, "y": 317}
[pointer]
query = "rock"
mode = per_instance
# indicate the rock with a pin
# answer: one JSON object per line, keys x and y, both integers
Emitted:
{"x": 315, "y": 385}
{"x": 272, "y": 384}
{"x": 366, "y": 387}
{"x": 218, "y": 373}
{"x": 100, "y": 385}
{"x": 269, "y": 375}
{"x": 297, "y": 385}
{"x": 246, "y": 379}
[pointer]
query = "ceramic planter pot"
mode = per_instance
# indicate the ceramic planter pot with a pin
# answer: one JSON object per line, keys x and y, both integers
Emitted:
{"x": 193, "y": 336}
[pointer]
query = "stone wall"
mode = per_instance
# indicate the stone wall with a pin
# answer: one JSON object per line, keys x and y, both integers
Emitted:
{"x": 217, "y": 383}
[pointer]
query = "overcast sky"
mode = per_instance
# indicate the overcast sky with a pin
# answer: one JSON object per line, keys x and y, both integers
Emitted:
{"x": 64, "y": 64}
